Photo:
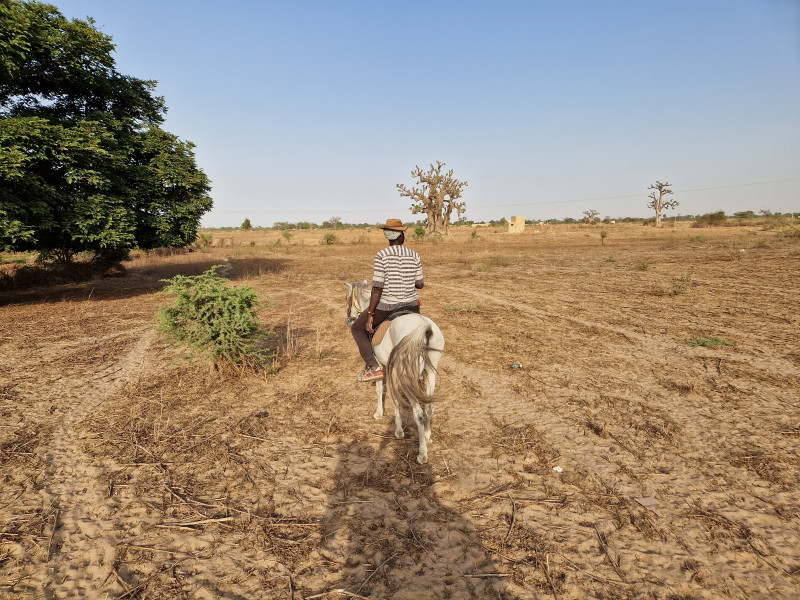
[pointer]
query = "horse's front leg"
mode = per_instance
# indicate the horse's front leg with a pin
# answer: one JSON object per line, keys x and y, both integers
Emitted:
{"x": 423, "y": 430}
{"x": 381, "y": 391}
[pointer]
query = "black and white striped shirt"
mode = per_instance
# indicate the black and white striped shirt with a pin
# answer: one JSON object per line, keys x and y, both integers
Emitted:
{"x": 396, "y": 270}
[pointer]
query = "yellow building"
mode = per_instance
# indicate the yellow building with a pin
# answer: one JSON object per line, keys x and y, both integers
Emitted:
{"x": 516, "y": 225}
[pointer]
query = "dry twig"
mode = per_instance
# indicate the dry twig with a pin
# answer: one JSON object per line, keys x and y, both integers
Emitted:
{"x": 547, "y": 574}
{"x": 340, "y": 591}
{"x": 607, "y": 552}
{"x": 52, "y": 534}
{"x": 513, "y": 519}
{"x": 376, "y": 570}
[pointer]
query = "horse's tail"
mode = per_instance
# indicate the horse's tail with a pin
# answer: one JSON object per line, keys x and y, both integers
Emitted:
{"x": 409, "y": 367}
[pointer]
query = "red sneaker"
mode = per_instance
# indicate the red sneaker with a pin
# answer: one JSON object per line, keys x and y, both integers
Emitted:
{"x": 371, "y": 374}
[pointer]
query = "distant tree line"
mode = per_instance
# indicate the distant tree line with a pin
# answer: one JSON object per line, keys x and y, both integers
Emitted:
{"x": 712, "y": 219}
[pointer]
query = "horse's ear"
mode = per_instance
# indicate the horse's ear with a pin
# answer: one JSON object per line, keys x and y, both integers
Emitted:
{"x": 347, "y": 285}
{"x": 365, "y": 282}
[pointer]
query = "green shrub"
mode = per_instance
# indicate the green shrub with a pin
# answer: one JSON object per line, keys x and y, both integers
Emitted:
{"x": 492, "y": 261}
{"x": 791, "y": 233}
{"x": 216, "y": 322}
{"x": 10, "y": 260}
{"x": 681, "y": 285}
{"x": 711, "y": 342}
{"x": 715, "y": 219}
{"x": 419, "y": 232}
{"x": 329, "y": 239}
{"x": 456, "y": 308}
{"x": 203, "y": 240}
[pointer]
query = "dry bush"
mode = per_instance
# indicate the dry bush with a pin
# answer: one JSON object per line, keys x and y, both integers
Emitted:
{"x": 525, "y": 442}
{"x": 683, "y": 387}
{"x": 774, "y": 467}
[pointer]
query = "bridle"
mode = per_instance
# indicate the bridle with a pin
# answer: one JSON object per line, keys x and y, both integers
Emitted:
{"x": 352, "y": 304}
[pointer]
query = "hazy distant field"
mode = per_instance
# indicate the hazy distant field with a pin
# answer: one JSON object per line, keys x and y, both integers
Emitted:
{"x": 659, "y": 369}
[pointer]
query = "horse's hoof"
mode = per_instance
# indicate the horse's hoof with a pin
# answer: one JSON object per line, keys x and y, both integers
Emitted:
{"x": 422, "y": 459}
{"x": 377, "y": 416}
{"x": 399, "y": 434}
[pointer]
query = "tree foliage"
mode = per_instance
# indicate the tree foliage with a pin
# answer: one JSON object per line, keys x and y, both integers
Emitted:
{"x": 436, "y": 194}
{"x": 657, "y": 200}
{"x": 84, "y": 164}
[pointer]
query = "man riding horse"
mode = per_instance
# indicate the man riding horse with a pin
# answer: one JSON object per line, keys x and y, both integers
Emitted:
{"x": 397, "y": 275}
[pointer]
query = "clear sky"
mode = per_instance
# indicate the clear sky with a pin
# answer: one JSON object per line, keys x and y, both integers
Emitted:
{"x": 308, "y": 109}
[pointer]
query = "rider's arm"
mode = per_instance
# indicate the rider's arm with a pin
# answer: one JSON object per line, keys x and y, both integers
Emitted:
{"x": 374, "y": 298}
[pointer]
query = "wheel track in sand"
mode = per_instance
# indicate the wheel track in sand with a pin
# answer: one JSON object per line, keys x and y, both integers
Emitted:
{"x": 82, "y": 547}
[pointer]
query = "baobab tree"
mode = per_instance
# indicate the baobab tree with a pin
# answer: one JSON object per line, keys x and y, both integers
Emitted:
{"x": 657, "y": 201}
{"x": 436, "y": 195}
{"x": 591, "y": 215}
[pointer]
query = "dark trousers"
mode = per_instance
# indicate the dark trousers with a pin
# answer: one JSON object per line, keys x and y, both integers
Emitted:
{"x": 362, "y": 336}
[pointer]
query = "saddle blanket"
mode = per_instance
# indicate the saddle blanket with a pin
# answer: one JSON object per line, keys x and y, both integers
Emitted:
{"x": 377, "y": 337}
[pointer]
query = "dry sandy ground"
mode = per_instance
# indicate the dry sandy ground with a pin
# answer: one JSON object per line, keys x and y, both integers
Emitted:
{"x": 128, "y": 472}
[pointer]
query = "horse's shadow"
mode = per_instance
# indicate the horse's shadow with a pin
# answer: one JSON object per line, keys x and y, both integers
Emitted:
{"x": 386, "y": 533}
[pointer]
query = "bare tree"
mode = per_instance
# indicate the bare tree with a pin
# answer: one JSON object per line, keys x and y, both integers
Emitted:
{"x": 657, "y": 201}
{"x": 436, "y": 195}
{"x": 334, "y": 221}
{"x": 591, "y": 215}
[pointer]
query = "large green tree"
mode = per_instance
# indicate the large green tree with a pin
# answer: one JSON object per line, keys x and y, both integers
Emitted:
{"x": 84, "y": 163}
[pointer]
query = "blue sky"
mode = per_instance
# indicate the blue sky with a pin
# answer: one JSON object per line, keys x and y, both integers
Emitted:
{"x": 304, "y": 110}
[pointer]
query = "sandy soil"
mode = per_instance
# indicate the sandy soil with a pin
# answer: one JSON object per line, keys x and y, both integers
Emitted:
{"x": 621, "y": 461}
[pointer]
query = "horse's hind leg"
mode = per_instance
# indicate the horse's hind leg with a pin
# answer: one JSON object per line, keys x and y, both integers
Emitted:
{"x": 398, "y": 419}
{"x": 428, "y": 420}
{"x": 423, "y": 429}
{"x": 381, "y": 391}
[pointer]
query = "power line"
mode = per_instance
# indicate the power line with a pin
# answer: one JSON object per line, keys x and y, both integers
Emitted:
{"x": 630, "y": 196}
{"x": 532, "y": 203}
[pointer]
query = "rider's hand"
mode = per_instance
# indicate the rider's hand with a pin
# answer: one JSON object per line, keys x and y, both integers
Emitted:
{"x": 369, "y": 324}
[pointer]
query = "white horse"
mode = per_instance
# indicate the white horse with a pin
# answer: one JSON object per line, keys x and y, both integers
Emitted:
{"x": 409, "y": 353}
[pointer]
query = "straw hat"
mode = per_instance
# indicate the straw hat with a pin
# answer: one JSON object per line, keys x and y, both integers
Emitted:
{"x": 394, "y": 225}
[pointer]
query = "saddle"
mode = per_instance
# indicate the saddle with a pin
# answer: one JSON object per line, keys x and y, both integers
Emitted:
{"x": 377, "y": 336}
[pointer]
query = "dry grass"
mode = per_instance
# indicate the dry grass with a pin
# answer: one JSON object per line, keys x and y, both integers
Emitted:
{"x": 129, "y": 472}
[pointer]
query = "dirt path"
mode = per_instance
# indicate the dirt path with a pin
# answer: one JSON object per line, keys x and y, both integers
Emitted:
{"x": 82, "y": 546}
{"x": 64, "y": 495}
